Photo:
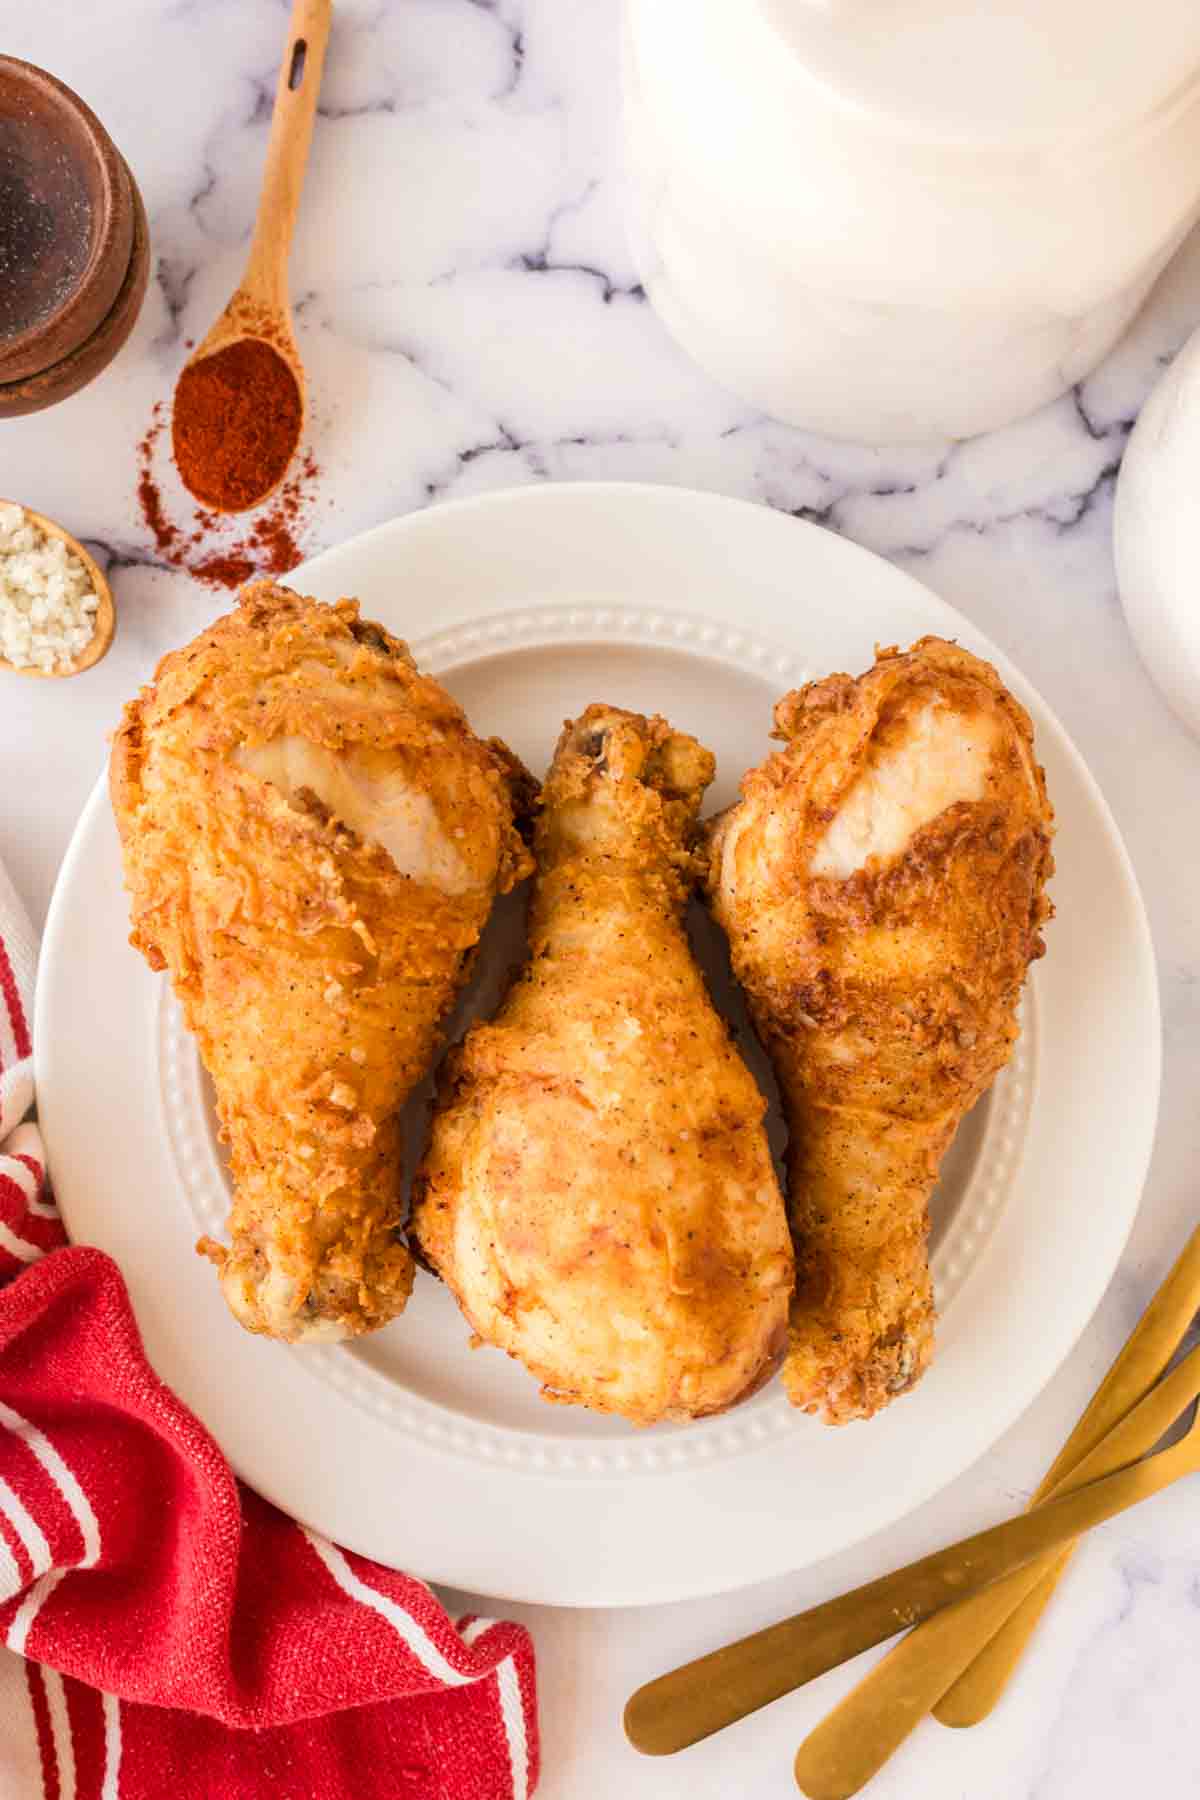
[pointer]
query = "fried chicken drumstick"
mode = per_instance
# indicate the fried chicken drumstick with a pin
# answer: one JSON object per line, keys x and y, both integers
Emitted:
{"x": 312, "y": 839}
{"x": 598, "y": 1191}
{"x": 881, "y": 884}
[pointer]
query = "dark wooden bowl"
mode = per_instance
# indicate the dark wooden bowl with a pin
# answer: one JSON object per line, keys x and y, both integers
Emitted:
{"x": 90, "y": 358}
{"x": 66, "y": 221}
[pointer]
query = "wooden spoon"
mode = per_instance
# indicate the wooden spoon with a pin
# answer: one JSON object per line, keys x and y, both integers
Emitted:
{"x": 105, "y": 619}
{"x": 259, "y": 309}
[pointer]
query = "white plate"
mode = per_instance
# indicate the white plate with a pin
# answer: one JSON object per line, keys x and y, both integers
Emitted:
{"x": 408, "y": 1446}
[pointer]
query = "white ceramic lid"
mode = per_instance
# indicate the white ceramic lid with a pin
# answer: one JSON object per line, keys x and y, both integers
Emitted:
{"x": 995, "y": 70}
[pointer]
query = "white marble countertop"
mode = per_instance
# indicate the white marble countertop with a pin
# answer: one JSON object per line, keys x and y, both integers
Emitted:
{"x": 470, "y": 319}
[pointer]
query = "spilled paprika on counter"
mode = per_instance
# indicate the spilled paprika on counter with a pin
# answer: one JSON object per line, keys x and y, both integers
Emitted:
{"x": 209, "y": 545}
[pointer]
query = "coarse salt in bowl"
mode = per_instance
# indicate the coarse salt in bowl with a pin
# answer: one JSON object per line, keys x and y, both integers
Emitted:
{"x": 48, "y": 597}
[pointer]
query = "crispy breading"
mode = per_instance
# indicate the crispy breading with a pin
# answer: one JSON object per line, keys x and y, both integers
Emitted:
{"x": 598, "y": 1190}
{"x": 255, "y": 781}
{"x": 881, "y": 884}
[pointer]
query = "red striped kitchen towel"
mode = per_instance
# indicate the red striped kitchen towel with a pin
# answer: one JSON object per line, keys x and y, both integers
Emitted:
{"x": 168, "y": 1632}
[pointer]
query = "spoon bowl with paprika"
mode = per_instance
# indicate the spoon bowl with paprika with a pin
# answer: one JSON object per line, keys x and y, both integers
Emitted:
{"x": 240, "y": 401}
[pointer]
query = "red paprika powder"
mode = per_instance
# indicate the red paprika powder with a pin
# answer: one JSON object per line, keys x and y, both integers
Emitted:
{"x": 235, "y": 425}
{"x": 213, "y": 549}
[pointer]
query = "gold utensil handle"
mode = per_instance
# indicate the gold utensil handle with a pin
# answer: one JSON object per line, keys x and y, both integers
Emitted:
{"x": 977, "y": 1686}
{"x": 1150, "y": 1348}
{"x": 287, "y": 149}
{"x": 690, "y": 1703}
{"x": 833, "y": 1763}
{"x": 854, "y": 1741}
{"x": 858, "y": 1737}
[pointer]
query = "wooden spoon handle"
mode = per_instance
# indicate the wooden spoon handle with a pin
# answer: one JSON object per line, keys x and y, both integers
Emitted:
{"x": 287, "y": 150}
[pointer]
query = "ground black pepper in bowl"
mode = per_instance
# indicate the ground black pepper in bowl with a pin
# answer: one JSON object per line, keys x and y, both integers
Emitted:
{"x": 74, "y": 243}
{"x": 45, "y": 225}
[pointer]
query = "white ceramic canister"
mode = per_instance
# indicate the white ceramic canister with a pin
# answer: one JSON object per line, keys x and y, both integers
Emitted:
{"x": 1156, "y": 534}
{"x": 902, "y": 220}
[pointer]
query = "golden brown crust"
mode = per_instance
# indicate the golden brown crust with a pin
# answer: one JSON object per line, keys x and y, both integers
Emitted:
{"x": 886, "y": 997}
{"x": 598, "y": 1189}
{"x": 313, "y": 972}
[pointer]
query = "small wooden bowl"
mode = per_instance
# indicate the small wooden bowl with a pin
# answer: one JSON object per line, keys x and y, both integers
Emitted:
{"x": 65, "y": 193}
{"x": 92, "y": 357}
{"x": 106, "y": 613}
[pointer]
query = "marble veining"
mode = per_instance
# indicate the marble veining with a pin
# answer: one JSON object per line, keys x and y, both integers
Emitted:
{"x": 471, "y": 318}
